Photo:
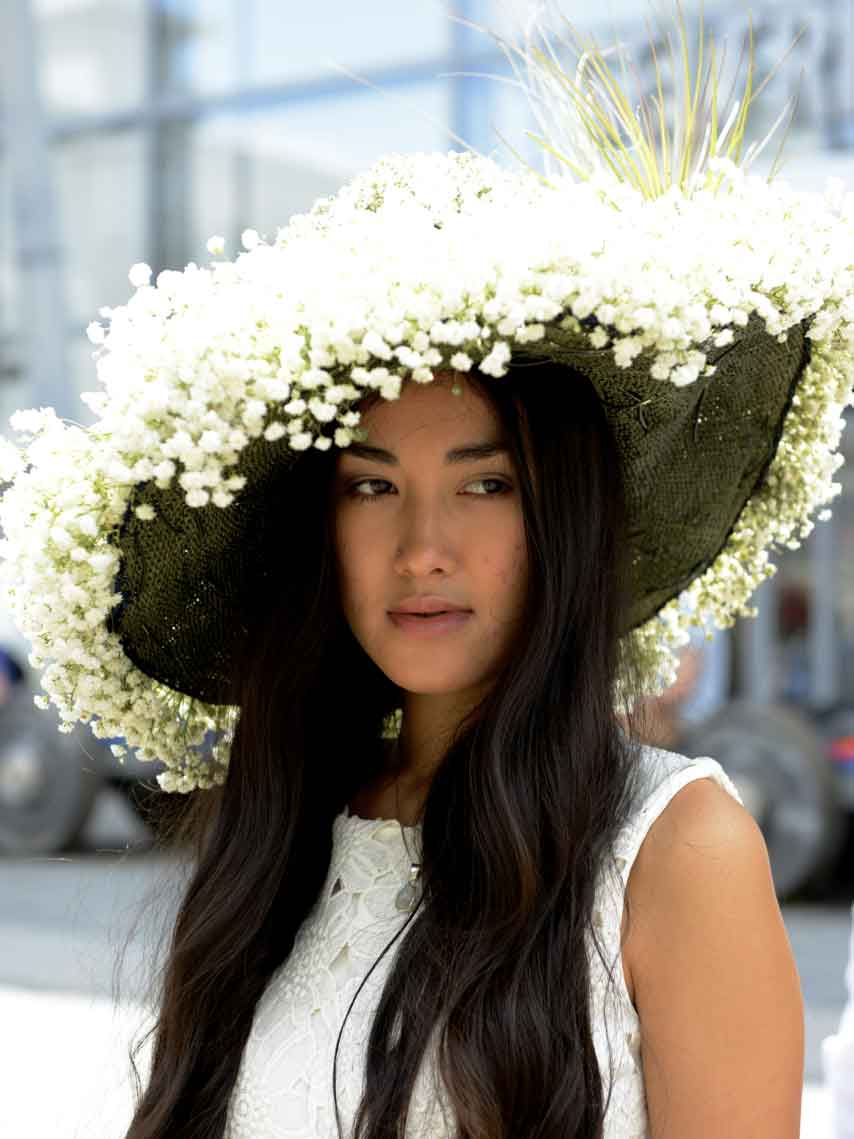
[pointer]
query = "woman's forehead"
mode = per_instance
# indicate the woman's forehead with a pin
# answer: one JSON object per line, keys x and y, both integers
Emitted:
{"x": 434, "y": 403}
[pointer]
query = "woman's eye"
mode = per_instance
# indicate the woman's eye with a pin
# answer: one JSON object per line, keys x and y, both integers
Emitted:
{"x": 353, "y": 489}
{"x": 354, "y": 492}
{"x": 503, "y": 487}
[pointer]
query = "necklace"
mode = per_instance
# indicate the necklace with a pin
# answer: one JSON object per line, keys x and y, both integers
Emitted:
{"x": 407, "y": 896}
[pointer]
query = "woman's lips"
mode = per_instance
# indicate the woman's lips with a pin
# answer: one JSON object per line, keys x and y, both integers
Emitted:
{"x": 430, "y": 626}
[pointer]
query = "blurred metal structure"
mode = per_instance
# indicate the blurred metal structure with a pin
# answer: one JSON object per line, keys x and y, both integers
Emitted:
{"x": 25, "y": 135}
{"x": 838, "y": 74}
{"x": 826, "y": 681}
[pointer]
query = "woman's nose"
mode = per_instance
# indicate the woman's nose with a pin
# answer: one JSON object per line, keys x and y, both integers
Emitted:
{"x": 424, "y": 541}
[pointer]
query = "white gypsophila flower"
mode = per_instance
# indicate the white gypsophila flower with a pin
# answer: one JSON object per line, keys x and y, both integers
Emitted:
{"x": 495, "y": 363}
{"x": 437, "y": 261}
{"x": 139, "y": 274}
{"x": 31, "y": 421}
{"x": 322, "y": 411}
{"x": 274, "y": 431}
{"x": 216, "y": 244}
{"x": 460, "y": 362}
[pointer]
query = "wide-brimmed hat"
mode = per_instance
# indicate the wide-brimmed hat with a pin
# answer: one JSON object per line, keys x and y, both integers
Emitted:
{"x": 714, "y": 317}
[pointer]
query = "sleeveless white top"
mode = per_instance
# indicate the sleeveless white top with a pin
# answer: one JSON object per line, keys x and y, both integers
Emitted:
{"x": 284, "y": 1085}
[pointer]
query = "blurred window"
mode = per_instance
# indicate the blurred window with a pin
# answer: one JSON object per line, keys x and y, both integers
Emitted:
{"x": 512, "y": 114}
{"x": 13, "y": 380}
{"x": 257, "y": 168}
{"x": 8, "y": 305}
{"x": 92, "y": 54}
{"x": 219, "y": 45}
{"x": 99, "y": 179}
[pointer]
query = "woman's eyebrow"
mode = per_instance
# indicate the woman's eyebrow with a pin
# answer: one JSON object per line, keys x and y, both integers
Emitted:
{"x": 466, "y": 453}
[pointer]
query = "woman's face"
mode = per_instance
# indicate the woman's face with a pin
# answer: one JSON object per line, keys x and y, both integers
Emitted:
{"x": 418, "y": 521}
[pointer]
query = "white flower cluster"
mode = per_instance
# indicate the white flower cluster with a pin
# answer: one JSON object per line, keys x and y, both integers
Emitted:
{"x": 422, "y": 263}
{"x": 58, "y": 573}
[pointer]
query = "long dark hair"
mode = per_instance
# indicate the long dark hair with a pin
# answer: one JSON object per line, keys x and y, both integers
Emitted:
{"x": 533, "y": 789}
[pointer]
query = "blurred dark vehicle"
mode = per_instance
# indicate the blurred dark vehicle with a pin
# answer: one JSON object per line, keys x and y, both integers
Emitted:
{"x": 49, "y": 780}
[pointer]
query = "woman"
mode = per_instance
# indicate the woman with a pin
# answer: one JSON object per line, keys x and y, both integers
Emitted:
{"x": 507, "y": 706}
{"x": 569, "y": 410}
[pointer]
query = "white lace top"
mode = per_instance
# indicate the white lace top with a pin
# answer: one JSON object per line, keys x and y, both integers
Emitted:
{"x": 284, "y": 1086}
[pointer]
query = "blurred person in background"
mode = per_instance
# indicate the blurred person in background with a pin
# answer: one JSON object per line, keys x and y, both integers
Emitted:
{"x": 793, "y": 660}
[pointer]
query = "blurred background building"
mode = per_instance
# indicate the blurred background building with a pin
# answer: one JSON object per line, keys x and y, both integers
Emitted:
{"x": 133, "y": 130}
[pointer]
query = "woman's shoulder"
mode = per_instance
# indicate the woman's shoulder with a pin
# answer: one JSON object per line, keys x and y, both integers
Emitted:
{"x": 682, "y": 800}
{"x": 664, "y": 773}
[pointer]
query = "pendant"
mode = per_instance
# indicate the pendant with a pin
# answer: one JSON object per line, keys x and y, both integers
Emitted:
{"x": 407, "y": 895}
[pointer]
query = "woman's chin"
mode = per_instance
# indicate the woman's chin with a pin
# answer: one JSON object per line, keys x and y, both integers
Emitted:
{"x": 428, "y": 679}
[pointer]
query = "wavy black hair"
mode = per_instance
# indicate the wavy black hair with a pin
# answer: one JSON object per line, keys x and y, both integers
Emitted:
{"x": 534, "y": 787}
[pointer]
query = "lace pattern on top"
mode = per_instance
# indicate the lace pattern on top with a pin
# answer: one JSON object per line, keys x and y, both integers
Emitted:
{"x": 284, "y": 1085}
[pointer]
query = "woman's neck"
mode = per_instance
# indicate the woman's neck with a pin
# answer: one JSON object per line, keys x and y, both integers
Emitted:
{"x": 395, "y": 794}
